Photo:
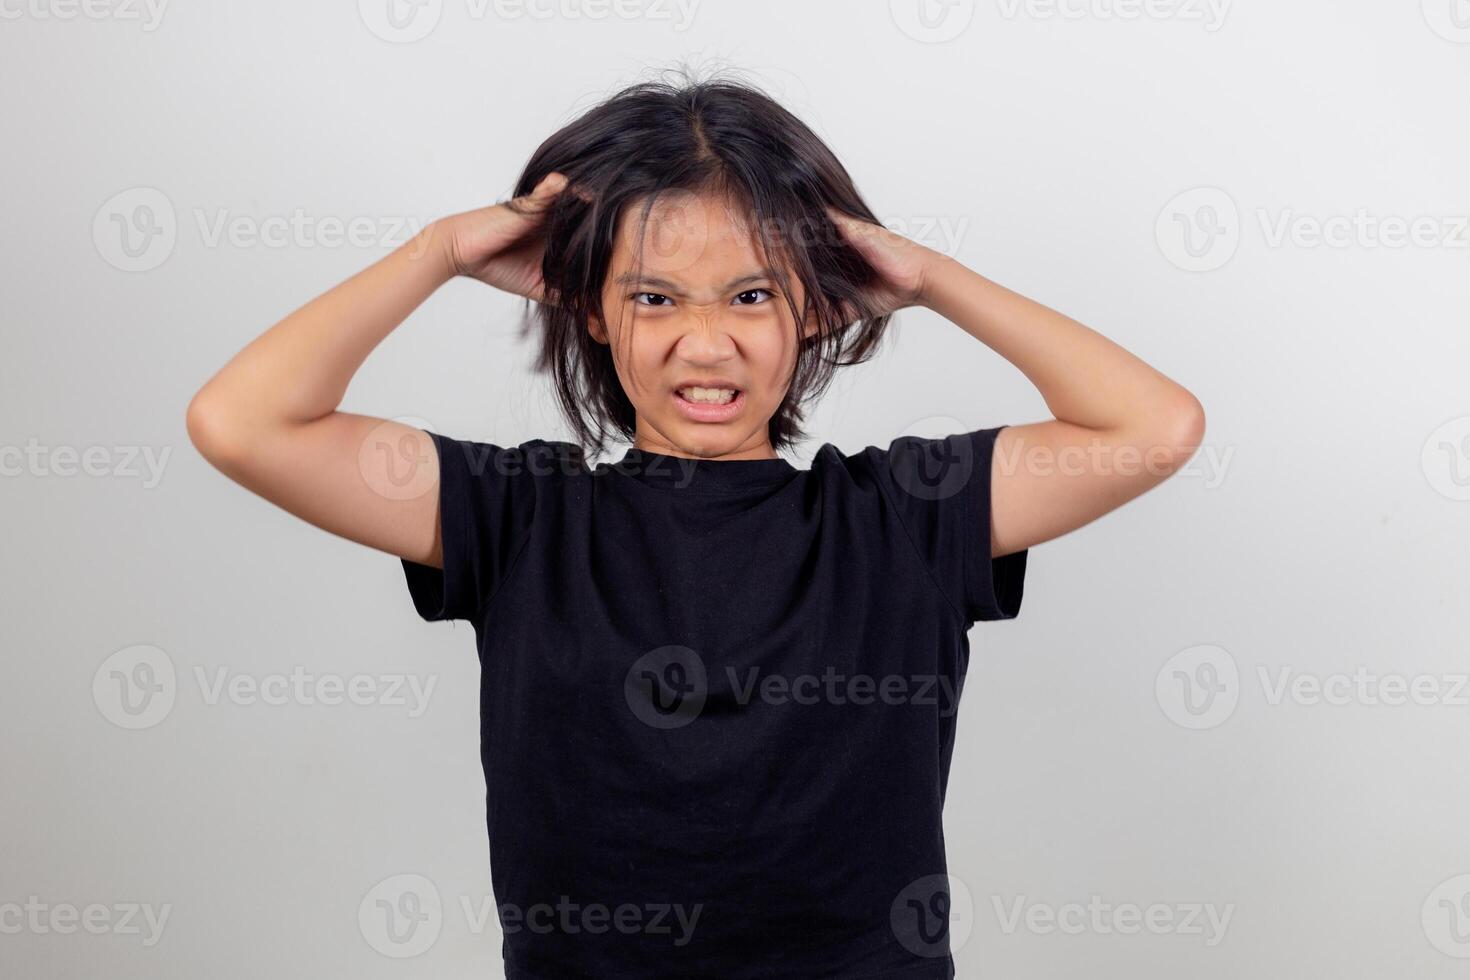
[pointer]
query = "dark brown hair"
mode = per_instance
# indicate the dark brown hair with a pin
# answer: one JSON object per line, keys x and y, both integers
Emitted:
{"x": 715, "y": 136}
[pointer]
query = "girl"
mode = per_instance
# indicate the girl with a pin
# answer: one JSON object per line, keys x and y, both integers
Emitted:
{"x": 719, "y": 691}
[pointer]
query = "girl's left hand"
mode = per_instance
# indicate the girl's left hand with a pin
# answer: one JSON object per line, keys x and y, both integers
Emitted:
{"x": 902, "y": 263}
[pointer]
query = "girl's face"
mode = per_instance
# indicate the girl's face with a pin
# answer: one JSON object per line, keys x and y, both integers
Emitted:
{"x": 711, "y": 356}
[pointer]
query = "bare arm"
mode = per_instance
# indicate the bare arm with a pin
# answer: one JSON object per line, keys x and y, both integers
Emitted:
{"x": 269, "y": 421}
{"x": 1121, "y": 426}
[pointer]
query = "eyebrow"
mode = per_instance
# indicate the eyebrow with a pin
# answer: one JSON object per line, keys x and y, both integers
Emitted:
{"x": 673, "y": 289}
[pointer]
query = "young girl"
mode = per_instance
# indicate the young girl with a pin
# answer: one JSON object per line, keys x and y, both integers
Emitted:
{"x": 719, "y": 691}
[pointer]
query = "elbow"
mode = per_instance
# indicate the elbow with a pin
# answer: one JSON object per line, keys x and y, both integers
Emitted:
{"x": 1183, "y": 429}
{"x": 212, "y": 429}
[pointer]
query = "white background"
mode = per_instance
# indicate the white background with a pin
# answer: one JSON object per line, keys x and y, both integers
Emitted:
{"x": 1062, "y": 151}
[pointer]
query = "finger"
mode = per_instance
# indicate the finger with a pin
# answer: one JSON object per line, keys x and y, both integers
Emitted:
{"x": 850, "y": 223}
{"x": 564, "y": 184}
{"x": 857, "y": 232}
{"x": 540, "y": 196}
{"x": 549, "y": 186}
{"x": 842, "y": 221}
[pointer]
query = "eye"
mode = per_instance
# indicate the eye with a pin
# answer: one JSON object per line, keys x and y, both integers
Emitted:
{"x": 637, "y": 298}
{"x": 752, "y": 292}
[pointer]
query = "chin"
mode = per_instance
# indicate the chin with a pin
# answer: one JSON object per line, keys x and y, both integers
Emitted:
{"x": 694, "y": 439}
{"x": 701, "y": 444}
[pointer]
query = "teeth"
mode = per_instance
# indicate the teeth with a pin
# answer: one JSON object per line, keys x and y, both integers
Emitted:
{"x": 713, "y": 396}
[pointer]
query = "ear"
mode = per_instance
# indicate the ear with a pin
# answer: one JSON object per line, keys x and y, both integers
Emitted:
{"x": 597, "y": 329}
{"x": 811, "y": 327}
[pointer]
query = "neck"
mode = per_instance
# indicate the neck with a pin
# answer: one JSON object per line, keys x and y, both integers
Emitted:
{"x": 649, "y": 441}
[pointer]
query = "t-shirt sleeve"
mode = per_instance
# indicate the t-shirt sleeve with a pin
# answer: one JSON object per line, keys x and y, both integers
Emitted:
{"x": 487, "y": 496}
{"x": 940, "y": 488}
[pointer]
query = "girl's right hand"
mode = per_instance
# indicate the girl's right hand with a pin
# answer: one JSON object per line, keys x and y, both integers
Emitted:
{"x": 502, "y": 244}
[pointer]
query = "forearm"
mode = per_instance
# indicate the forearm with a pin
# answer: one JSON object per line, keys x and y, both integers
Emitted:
{"x": 299, "y": 369}
{"x": 1084, "y": 378}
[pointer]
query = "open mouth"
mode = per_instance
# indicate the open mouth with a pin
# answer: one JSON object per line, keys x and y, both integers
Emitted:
{"x": 708, "y": 396}
{"x": 709, "y": 404}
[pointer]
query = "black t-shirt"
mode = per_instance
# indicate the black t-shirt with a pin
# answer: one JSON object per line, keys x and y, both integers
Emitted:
{"x": 718, "y": 699}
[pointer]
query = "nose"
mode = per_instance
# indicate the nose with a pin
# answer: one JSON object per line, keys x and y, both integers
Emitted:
{"x": 703, "y": 340}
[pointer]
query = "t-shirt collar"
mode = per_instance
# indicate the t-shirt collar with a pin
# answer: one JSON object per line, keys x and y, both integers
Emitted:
{"x": 684, "y": 473}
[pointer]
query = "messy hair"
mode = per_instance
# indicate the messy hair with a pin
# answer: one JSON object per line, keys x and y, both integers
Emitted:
{"x": 657, "y": 139}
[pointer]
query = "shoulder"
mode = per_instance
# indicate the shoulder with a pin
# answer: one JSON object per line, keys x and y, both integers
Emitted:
{"x": 868, "y": 460}
{"x": 551, "y": 457}
{"x": 534, "y": 461}
{"x": 926, "y": 467}
{"x": 534, "y": 467}
{"x": 856, "y": 468}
